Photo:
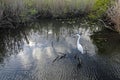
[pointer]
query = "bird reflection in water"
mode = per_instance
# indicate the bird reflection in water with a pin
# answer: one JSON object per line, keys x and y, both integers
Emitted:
{"x": 59, "y": 54}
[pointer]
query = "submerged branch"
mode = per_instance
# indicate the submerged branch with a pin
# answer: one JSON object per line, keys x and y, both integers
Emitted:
{"x": 106, "y": 25}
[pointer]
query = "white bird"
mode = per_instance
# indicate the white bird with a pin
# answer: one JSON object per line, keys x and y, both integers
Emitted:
{"x": 79, "y": 46}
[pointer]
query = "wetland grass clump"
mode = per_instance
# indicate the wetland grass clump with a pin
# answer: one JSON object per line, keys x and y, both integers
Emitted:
{"x": 113, "y": 14}
{"x": 10, "y": 12}
{"x": 16, "y": 12}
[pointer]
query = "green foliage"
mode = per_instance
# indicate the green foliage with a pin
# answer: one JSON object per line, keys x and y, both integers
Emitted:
{"x": 29, "y": 3}
{"x": 33, "y": 11}
{"x": 30, "y": 7}
{"x": 99, "y": 9}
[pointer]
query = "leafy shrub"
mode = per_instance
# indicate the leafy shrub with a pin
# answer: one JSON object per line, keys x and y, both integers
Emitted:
{"x": 99, "y": 9}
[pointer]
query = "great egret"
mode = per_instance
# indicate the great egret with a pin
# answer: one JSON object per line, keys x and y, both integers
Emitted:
{"x": 79, "y": 46}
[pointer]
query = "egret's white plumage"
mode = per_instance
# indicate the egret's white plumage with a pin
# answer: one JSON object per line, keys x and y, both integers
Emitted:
{"x": 79, "y": 46}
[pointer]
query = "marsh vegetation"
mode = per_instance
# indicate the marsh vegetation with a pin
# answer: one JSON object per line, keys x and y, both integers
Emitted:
{"x": 19, "y": 12}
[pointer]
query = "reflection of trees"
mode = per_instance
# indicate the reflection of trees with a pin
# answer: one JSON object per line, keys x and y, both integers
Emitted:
{"x": 12, "y": 40}
{"x": 60, "y": 27}
{"x": 106, "y": 41}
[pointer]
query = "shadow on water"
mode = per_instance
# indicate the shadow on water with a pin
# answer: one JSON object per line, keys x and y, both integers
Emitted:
{"x": 46, "y": 50}
{"x": 107, "y": 43}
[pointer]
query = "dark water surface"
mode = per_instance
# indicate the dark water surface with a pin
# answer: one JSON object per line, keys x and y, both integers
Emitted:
{"x": 34, "y": 52}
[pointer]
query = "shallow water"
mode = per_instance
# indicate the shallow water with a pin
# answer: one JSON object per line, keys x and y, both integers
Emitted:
{"x": 34, "y": 52}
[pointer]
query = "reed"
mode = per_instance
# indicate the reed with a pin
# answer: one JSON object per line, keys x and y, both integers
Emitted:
{"x": 49, "y": 7}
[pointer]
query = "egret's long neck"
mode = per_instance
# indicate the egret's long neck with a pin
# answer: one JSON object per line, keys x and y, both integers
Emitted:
{"x": 78, "y": 39}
